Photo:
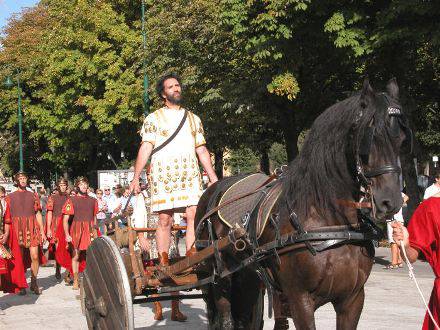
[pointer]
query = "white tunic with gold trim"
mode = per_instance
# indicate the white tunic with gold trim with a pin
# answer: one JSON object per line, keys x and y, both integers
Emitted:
{"x": 175, "y": 176}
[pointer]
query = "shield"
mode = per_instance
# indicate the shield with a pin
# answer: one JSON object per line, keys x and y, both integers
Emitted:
{"x": 105, "y": 289}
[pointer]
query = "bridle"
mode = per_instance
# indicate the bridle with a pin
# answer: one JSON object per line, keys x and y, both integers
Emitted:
{"x": 397, "y": 121}
{"x": 363, "y": 149}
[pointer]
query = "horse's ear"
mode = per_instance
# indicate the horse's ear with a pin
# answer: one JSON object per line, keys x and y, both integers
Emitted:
{"x": 393, "y": 88}
{"x": 367, "y": 91}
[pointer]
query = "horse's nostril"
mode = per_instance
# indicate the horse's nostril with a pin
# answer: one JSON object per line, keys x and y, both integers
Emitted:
{"x": 387, "y": 204}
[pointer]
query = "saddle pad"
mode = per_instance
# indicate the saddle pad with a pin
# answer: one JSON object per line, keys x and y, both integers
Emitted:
{"x": 233, "y": 213}
{"x": 266, "y": 206}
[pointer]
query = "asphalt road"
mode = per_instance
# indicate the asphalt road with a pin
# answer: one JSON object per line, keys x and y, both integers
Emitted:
{"x": 392, "y": 302}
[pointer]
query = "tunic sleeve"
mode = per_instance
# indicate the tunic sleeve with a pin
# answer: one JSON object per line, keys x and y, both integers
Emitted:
{"x": 149, "y": 129}
{"x": 68, "y": 208}
{"x": 96, "y": 210}
{"x": 7, "y": 215}
{"x": 200, "y": 134}
{"x": 49, "y": 205}
{"x": 37, "y": 205}
{"x": 423, "y": 231}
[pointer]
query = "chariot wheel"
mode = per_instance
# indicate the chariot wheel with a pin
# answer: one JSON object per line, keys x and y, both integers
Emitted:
{"x": 106, "y": 298}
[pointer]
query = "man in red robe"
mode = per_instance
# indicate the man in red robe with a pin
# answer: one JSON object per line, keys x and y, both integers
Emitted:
{"x": 422, "y": 241}
{"x": 28, "y": 226}
{"x": 82, "y": 230}
{"x": 12, "y": 278}
{"x": 54, "y": 222}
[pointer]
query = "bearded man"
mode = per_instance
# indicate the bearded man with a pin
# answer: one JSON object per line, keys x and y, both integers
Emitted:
{"x": 176, "y": 183}
{"x": 80, "y": 232}
{"x": 27, "y": 223}
{"x": 54, "y": 223}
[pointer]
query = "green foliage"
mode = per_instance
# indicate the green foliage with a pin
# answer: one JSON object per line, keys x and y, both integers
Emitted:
{"x": 242, "y": 160}
{"x": 257, "y": 72}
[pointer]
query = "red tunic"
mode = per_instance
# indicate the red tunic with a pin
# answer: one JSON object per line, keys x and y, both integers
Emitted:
{"x": 83, "y": 210}
{"x": 24, "y": 205}
{"x": 55, "y": 204}
{"x": 424, "y": 235}
{"x": 12, "y": 271}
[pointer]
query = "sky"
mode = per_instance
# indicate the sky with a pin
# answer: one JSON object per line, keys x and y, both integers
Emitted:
{"x": 9, "y": 7}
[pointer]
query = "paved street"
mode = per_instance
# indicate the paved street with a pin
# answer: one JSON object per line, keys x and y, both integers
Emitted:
{"x": 392, "y": 302}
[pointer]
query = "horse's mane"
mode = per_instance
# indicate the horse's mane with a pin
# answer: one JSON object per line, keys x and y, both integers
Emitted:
{"x": 324, "y": 169}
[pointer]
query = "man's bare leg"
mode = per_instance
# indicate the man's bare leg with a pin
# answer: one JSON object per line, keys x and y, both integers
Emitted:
{"x": 190, "y": 230}
{"x": 75, "y": 267}
{"x": 35, "y": 265}
{"x": 163, "y": 231}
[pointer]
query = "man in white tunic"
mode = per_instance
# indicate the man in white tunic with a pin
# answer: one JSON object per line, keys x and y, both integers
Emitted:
{"x": 176, "y": 182}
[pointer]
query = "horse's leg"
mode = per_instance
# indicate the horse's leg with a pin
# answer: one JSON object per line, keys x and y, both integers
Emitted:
{"x": 208, "y": 292}
{"x": 222, "y": 299}
{"x": 280, "y": 311}
{"x": 247, "y": 300}
{"x": 302, "y": 310}
{"x": 349, "y": 311}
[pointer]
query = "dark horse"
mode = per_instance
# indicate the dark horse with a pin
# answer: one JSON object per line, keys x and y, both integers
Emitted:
{"x": 352, "y": 149}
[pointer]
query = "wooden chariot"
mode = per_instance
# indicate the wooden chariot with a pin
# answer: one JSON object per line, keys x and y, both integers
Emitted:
{"x": 117, "y": 277}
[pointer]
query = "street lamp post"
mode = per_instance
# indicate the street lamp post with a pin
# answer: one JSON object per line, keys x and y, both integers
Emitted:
{"x": 145, "y": 98}
{"x": 9, "y": 83}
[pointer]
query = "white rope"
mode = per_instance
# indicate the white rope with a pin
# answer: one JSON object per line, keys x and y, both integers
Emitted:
{"x": 413, "y": 277}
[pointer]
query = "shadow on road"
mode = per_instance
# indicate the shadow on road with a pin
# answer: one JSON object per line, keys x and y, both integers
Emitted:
{"x": 195, "y": 316}
{"x": 30, "y": 298}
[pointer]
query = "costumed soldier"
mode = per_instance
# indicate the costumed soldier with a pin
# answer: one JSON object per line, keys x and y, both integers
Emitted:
{"x": 27, "y": 224}
{"x": 81, "y": 231}
{"x": 54, "y": 223}
{"x": 12, "y": 275}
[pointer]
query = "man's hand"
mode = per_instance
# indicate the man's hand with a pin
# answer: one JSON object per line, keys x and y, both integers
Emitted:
{"x": 144, "y": 243}
{"x": 43, "y": 238}
{"x": 3, "y": 239}
{"x": 211, "y": 182}
{"x": 134, "y": 186}
{"x": 68, "y": 238}
{"x": 400, "y": 233}
{"x": 49, "y": 234}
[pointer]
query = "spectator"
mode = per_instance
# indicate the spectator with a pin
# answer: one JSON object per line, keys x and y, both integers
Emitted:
{"x": 434, "y": 188}
{"x": 102, "y": 210}
{"x": 91, "y": 192}
{"x": 43, "y": 202}
{"x": 396, "y": 259}
{"x": 109, "y": 199}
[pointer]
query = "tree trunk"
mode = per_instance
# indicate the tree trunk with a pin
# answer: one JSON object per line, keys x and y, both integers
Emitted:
{"x": 264, "y": 162}
{"x": 289, "y": 126}
{"x": 218, "y": 159}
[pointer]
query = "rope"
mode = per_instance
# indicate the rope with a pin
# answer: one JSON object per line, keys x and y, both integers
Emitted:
{"x": 413, "y": 277}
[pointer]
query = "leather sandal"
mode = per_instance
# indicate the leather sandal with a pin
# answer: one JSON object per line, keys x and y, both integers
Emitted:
{"x": 34, "y": 286}
{"x": 391, "y": 266}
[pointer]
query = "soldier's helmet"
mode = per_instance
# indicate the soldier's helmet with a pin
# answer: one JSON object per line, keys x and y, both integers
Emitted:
{"x": 61, "y": 181}
{"x": 81, "y": 179}
{"x": 19, "y": 174}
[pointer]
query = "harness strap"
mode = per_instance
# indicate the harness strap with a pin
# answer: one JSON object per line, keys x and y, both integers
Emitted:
{"x": 354, "y": 205}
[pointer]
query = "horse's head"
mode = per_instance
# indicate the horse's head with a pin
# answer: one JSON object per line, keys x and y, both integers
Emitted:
{"x": 382, "y": 129}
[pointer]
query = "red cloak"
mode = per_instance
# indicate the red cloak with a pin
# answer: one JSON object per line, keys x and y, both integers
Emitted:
{"x": 13, "y": 274}
{"x": 424, "y": 235}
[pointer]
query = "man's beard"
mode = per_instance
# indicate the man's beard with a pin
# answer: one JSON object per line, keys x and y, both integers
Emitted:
{"x": 177, "y": 100}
